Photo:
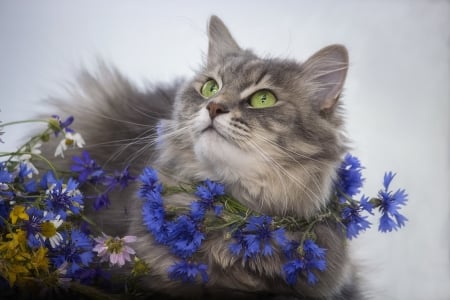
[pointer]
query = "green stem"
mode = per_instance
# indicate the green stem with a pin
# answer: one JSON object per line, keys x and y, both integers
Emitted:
{"x": 23, "y": 122}
{"x": 41, "y": 157}
{"x": 5, "y": 221}
{"x": 90, "y": 222}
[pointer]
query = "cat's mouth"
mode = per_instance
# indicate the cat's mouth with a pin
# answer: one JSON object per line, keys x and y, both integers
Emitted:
{"x": 211, "y": 129}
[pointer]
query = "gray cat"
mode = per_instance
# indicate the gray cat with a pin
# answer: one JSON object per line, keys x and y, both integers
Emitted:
{"x": 270, "y": 130}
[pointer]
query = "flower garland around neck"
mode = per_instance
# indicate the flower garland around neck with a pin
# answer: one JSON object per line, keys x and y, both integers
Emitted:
{"x": 47, "y": 241}
{"x": 251, "y": 234}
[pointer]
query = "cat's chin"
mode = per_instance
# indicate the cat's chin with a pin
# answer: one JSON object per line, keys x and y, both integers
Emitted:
{"x": 223, "y": 160}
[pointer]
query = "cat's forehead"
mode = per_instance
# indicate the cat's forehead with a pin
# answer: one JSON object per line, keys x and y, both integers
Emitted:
{"x": 249, "y": 72}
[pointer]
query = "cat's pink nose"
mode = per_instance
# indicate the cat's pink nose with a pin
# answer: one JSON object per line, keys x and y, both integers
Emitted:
{"x": 216, "y": 109}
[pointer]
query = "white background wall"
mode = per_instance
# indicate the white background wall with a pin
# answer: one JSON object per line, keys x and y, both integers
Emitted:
{"x": 397, "y": 93}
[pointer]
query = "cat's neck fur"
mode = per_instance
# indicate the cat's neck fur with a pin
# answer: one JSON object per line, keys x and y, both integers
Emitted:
{"x": 288, "y": 189}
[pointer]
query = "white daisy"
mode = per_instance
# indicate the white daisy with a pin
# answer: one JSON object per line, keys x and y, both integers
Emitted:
{"x": 70, "y": 139}
{"x": 26, "y": 159}
{"x": 49, "y": 230}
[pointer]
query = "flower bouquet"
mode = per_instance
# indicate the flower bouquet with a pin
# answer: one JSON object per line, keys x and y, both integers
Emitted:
{"x": 49, "y": 246}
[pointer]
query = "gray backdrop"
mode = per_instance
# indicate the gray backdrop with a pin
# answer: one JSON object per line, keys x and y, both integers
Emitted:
{"x": 397, "y": 93}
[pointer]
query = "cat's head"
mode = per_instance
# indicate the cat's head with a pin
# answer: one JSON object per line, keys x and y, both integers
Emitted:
{"x": 270, "y": 129}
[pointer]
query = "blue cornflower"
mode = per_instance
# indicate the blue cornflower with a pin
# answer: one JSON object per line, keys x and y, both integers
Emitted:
{"x": 350, "y": 178}
{"x": 257, "y": 237}
{"x": 390, "y": 204}
{"x": 62, "y": 125}
{"x": 310, "y": 258}
{"x": 30, "y": 186}
{"x": 23, "y": 171}
{"x": 353, "y": 221}
{"x": 76, "y": 250}
{"x": 207, "y": 192}
{"x": 198, "y": 211}
{"x": 366, "y": 205}
{"x": 188, "y": 272}
{"x": 149, "y": 180}
{"x": 120, "y": 178}
{"x": 5, "y": 176}
{"x": 183, "y": 236}
{"x": 101, "y": 201}
{"x": 153, "y": 216}
{"x": 64, "y": 199}
{"x": 47, "y": 180}
{"x": 153, "y": 211}
{"x": 33, "y": 226}
{"x": 293, "y": 269}
{"x": 239, "y": 244}
{"x": 86, "y": 168}
{"x": 5, "y": 209}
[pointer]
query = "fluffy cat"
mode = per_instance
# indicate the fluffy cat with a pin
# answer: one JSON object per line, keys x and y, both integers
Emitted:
{"x": 280, "y": 159}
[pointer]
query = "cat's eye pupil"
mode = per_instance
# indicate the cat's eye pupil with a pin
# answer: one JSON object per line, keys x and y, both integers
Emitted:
{"x": 209, "y": 88}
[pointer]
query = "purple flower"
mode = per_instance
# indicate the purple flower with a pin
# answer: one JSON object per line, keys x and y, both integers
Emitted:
{"x": 390, "y": 205}
{"x": 366, "y": 205}
{"x": 47, "y": 180}
{"x": 101, "y": 201}
{"x": 183, "y": 237}
{"x": 120, "y": 178}
{"x": 309, "y": 258}
{"x": 207, "y": 192}
{"x": 154, "y": 221}
{"x": 6, "y": 178}
{"x": 76, "y": 251}
{"x": 62, "y": 125}
{"x": 5, "y": 175}
{"x": 149, "y": 180}
{"x": 115, "y": 250}
{"x": 23, "y": 171}
{"x": 33, "y": 226}
{"x": 5, "y": 208}
{"x": 353, "y": 221}
{"x": 188, "y": 272}
{"x": 86, "y": 168}
{"x": 153, "y": 214}
{"x": 63, "y": 199}
{"x": 350, "y": 178}
{"x": 257, "y": 237}
{"x": 30, "y": 186}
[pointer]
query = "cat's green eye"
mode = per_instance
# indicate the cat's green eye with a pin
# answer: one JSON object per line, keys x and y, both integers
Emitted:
{"x": 262, "y": 99}
{"x": 209, "y": 88}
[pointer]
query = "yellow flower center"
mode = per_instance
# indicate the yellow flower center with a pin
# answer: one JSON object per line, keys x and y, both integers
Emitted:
{"x": 48, "y": 229}
{"x": 114, "y": 245}
{"x": 69, "y": 142}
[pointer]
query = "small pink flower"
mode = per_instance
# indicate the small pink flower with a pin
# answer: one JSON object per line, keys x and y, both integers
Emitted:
{"x": 114, "y": 249}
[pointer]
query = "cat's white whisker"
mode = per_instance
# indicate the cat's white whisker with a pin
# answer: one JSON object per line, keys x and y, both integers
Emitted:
{"x": 286, "y": 153}
{"x": 313, "y": 197}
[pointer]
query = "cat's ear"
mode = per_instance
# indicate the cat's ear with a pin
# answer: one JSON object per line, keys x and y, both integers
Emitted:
{"x": 221, "y": 43}
{"x": 326, "y": 71}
